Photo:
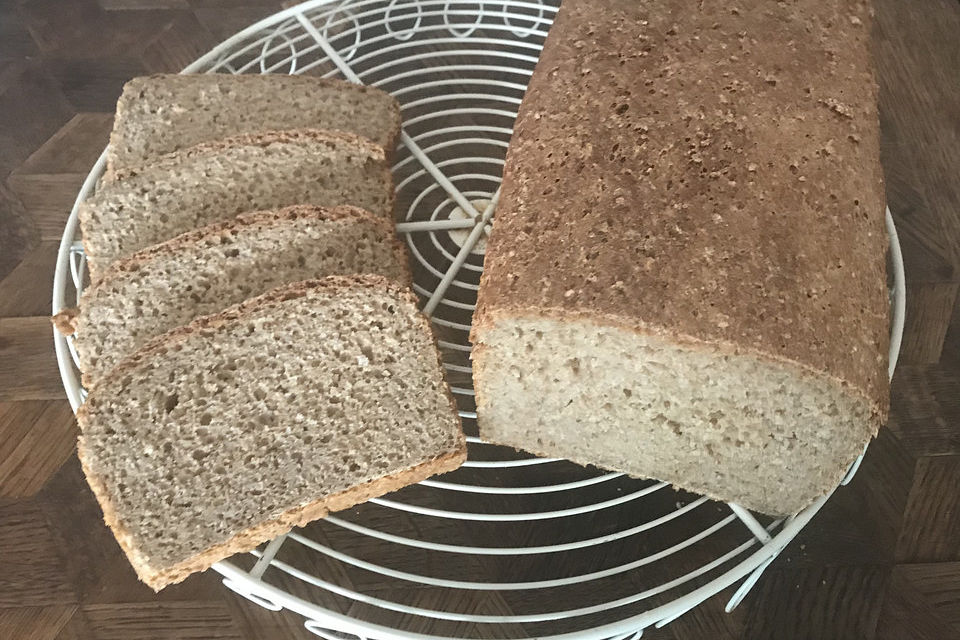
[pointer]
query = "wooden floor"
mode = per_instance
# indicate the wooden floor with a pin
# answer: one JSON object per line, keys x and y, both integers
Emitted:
{"x": 882, "y": 560}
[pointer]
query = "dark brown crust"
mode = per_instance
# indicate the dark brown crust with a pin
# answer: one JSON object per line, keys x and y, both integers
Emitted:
{"x": 158, "y": 578}
{"x": 245, "y": 540}
{"x": 684, "y": 211}
{"x": 134, "y": 86}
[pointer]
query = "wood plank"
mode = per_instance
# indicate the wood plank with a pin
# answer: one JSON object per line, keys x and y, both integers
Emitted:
{"x": 36, "y": 438}
{"x": 161, "y": 621}
{"x": 48, "y": 199}
{"x": 82, "y": 31}
{"x": 94, "y": 84}
{"x": 253, "y": 621}
{"x": 179, "y": 44}
{"x": 908, "y": 612}
{"x": 33, "y": 109}
{"x": 828, "y": 602}
{"x": 918, "y": 68}
{"x": 826, "y": 584}
{"x": 925, "y": 409}
{"x": 933, "y": 512}
{"x": 72, "y": 149}
{"x": 224, "y": 21}
{"x": 940, "y": 584}
{"x": 129, "y": 5}
{"x": 35, "y": 623}
{"x": 15, "y": 40}
{"x": 925, "y": 259}
{"x": 32, "y": 573}
{"x": 20, "y": 234}
{"x": 950, "y": 354}
{"x": 28, "y": 366}
{"x": 26, "y": 290}
{"x": 77, "y": 628}
{"x": 709, "y": 620}
{"x": 929, "y": 310}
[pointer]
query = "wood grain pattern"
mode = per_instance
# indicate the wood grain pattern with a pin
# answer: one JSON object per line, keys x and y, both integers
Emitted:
{"x": 932, "y": 513}
{"x": 161, "y": 621}
{"x": 828, "y": 602}
{"x": 27, "y": 370}
{"x": 881, "y": 561}
{"x": 35, "y": 623}
{"x": 908, "y": 611}
{"x": 36, "y": 438}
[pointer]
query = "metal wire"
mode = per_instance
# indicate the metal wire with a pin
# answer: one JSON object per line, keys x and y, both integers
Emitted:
{"x": 459, "y": 69}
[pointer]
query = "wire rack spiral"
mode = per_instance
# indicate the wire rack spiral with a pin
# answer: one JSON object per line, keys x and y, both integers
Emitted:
{"x": 510, "y": 545}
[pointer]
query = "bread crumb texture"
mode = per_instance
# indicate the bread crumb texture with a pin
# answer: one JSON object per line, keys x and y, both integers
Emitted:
{"x": 215, "y": 181}
{"x": 163, "y": 113}
{"x": 269, "y": 408}
{"x": 206, "y": 270}
{"x": 732, "y": 426}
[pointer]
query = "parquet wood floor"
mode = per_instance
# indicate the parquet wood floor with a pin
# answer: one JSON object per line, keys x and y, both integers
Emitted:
{"x": 881, "y": 561}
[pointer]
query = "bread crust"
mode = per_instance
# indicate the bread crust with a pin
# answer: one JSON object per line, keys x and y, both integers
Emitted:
{"x": 132, "y": 88}
{"x": 267, "y": 138}
{"x": 156, "y": 577}
{"x": 669, "y": 223}
{"x": 159, "y": 345}
{"x": 70, "y": 320}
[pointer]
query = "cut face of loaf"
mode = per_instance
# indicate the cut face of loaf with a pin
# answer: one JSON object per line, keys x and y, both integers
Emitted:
{"x": 216, "y": 181}
{"x": 228, "y": 432}
{"x": 204, "y": 271}
{"x": 734, "y": 426}
{"x": 160, "y": 114}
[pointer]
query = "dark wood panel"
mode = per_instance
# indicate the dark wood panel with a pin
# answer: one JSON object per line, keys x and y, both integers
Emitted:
{"x": 933, "y": 513}
{"x": 880, "y": 561}
{"x": 28, "y": 368}
{"x": 828, "y": 602}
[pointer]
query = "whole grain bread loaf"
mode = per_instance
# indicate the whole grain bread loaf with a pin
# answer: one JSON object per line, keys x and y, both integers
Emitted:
{"x": 686, "y": 274}
{"x": 160, "y": 114}
{"x": 206, "y": 270}
{"x": 218, "y": 180}
{"x": 225, "y": 433}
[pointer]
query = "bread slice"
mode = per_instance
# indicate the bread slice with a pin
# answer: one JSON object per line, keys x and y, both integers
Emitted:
{"x": 160, "y": 114}
{"x": 225, "y": 433}
{"x": 686, "y": 275}
{"x": 216, "y": 181}
{"x": 205, "y": 271}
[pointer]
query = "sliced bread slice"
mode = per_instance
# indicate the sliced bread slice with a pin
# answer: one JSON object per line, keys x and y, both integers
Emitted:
{"x": 225, "y": 433}
{"x": 205, "y": 271}
{"x": 216, "y": 181}
{"x": 160, "y": 114}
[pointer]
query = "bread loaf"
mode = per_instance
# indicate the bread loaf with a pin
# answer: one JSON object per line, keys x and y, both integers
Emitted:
{"x": 206, "y": 270}
{"x": 163, "y": 113}
{"x": 686, "y": 274}
{"x": 228, "y": 432}
{"x": 217, "y": 180}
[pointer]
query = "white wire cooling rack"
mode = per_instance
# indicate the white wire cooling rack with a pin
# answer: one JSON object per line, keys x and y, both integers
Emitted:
{"x": 509, "y": 545}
